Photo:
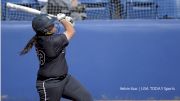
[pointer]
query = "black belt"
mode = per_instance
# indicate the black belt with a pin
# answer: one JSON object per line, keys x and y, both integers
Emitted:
{"x": 62, "y": 77}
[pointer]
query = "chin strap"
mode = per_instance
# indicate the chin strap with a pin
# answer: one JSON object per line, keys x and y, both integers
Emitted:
{"x": 48, "y": 33}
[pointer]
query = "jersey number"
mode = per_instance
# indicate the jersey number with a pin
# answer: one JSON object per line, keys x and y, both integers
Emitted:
{"x": 41, "y": 56}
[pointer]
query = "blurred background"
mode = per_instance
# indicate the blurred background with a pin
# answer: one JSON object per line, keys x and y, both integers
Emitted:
{"x": 98, "y": 9}
{"x": 122, "y": 50}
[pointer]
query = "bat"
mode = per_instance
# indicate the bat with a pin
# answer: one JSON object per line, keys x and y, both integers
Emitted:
{"x": 25, "y": 9}
{"x": 33, "y": 11}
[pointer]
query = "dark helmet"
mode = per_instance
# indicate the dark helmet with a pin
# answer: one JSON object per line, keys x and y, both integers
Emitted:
{"x": 41, "y": 22}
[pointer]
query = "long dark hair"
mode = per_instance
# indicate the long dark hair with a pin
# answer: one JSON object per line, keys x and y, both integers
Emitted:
{"x": 29, "y": 45}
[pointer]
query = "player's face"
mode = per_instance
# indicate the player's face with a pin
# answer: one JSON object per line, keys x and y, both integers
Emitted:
{"x": 52, "y": 29}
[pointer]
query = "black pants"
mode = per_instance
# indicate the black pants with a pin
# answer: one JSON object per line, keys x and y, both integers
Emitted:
{"x": 53, "y": 89}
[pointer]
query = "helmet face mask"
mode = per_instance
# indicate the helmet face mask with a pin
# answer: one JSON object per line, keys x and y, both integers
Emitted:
{"x": 43, "y": 24}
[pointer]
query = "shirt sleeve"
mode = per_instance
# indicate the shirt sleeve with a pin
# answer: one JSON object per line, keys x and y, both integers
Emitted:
{"x": 52, "y": 45}
{"x": 60, "y": 41}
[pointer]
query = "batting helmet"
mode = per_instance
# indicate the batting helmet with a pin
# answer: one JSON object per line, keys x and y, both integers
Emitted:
{"x": 41, "y": 22}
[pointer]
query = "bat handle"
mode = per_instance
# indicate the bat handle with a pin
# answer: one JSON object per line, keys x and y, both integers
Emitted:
{"x": 71, "y": 20}
{"x": 52, "y": 15}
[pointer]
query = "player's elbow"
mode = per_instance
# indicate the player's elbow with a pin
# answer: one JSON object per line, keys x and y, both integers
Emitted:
{"x": 70, "y": 33}
{"x": 73, "y": 31}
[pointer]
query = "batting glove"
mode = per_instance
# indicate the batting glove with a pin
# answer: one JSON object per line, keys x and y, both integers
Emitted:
{"x": 70, "y": 20}
{"x": 61, "y": 16}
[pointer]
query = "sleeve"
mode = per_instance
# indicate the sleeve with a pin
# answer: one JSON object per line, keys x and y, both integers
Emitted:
{"x": 60, "y": 41}
{"x": 53, "y": 45}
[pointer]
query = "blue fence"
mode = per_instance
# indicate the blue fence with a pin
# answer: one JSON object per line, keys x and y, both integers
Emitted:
{"x": 111, "y": 58}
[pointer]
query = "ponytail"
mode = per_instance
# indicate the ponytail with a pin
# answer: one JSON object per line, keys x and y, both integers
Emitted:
{"x": 28, "y": 46}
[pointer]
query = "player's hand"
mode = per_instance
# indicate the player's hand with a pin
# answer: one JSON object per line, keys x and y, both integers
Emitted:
{"x": 61, "y": 16}
{"x": 69, "y": 19}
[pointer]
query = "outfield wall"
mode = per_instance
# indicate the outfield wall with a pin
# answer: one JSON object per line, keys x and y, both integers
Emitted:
{"x": 113, "y": 59}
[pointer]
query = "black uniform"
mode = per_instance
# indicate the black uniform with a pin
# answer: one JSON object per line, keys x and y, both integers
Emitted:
{"x": 53, "y": 81}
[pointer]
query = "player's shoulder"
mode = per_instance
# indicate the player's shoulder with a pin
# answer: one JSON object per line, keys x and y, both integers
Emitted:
{"x": 57, "y": 37}
{"x": 52, "y": 38}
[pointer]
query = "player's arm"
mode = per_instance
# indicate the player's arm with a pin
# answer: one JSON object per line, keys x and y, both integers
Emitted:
{"x": 69, "y": 29}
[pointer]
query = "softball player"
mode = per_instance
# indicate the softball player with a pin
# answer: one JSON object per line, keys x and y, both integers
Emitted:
{"x": 53, "y": 80}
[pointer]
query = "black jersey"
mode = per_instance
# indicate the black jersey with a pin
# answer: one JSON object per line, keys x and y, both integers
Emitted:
{"x": 51, "y": 54}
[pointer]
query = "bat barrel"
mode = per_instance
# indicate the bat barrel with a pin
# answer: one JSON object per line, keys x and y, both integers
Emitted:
{"x": 23, "y": 8}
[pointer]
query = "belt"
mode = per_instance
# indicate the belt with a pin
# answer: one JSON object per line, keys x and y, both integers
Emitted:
{"x": 62, "y": 77}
